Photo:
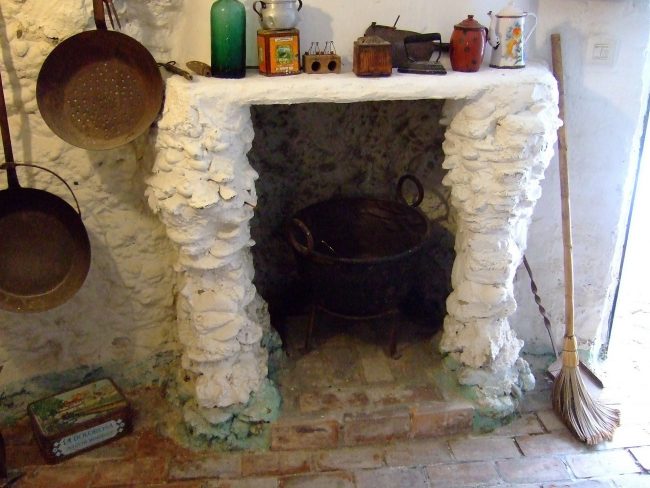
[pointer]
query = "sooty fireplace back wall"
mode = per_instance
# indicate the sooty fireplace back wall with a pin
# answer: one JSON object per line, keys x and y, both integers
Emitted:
{"x": 311, "y": 152}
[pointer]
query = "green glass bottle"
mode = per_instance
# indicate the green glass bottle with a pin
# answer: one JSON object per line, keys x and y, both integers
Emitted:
{"x": 228, "y": 39}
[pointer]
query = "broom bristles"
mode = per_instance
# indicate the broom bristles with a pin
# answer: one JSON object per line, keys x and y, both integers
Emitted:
{"x": 590, "y": 420}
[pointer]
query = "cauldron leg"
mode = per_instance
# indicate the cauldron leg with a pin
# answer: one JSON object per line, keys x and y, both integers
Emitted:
{"x": 310, "y": 327}
{"x": 3, "y": 459}
{"x": 392, "y": 347}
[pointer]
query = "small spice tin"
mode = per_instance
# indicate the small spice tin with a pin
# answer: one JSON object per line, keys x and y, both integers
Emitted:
{"x": 80, "y": 419}
{"x": 278, "y": 52}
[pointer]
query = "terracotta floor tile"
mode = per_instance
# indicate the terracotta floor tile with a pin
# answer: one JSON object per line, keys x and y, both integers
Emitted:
{"x": 19, "y": 456}
{"x": 603, "y": 463}
{"x": 632, "y": 481}
{"x": 529, "y": 470}
{"x": 113, "y": 473}
{"x": 483, "y": 448}
{"x": 561, "y": 442}
{"x": 349, "y": 458}
{"x": 218, "y": 465}
{"x": 418, "y": 453}
{"x": 463, "y": 475}
{"x": 59, "y": 476}
{"x": 321, "y": 480}
{"x": 275, "y": 463}
{"x": 397, "y": 477}
{"x": 642, "y": 455}
{"x": 526, "y": 424}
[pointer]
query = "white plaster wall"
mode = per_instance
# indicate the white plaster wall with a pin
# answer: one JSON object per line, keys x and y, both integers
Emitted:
{"x": 604, "y": 111}
{"x": 605, "y": 107}
{"x": 124, "y": 311}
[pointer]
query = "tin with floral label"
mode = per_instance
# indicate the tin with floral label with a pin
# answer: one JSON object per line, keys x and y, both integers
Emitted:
{"x": 77, "y": 420}
{"x": 278, "y": 52}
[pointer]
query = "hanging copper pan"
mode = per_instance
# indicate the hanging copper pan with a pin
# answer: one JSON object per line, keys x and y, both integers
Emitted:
{"x": 44, "y": 246}
{"x": 99, "y": 89}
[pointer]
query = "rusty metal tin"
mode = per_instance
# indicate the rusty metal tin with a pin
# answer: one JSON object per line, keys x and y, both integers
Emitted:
{"x": 77, "y": 420}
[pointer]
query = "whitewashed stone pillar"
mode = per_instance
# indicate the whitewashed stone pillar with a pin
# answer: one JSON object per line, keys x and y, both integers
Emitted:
{"x": 202, "y": 187}
{"x": 497, "y": 146}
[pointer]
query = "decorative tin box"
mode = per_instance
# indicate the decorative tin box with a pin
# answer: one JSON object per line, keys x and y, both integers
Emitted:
{"x": 372, "y": 57}
{"x": 78, "y": 420}
{"x": 278, "y": 52}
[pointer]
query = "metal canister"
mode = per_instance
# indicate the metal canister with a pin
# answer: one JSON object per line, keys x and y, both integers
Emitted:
{"x": 467, "y": 45}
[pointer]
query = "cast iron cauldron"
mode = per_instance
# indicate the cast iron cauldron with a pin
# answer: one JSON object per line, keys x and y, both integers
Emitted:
{"x": 359, "y": 256}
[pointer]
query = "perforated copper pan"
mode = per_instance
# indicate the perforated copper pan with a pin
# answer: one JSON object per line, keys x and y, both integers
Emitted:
{"x": 44, "y": 246}
{"x": 99, "y": 89}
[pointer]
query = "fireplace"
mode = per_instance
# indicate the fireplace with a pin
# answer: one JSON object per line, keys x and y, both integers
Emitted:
{"x": 500, "y": 129}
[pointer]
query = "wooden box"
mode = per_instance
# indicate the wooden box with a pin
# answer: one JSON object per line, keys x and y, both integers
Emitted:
{"x": 278, "y": 52}
{"x": 80, "y": 419}
{"x": 319, "y": 64}
{"x": 372, "y": 57}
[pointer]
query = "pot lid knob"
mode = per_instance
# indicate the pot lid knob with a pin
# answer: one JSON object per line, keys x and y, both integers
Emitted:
{"x": 469, "y": 24}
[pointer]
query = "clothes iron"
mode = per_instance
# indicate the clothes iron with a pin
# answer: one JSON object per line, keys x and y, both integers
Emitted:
{"x": 411, "y": 51}
{"x": 423, "y": 67}
{"x": 419, "y": 50}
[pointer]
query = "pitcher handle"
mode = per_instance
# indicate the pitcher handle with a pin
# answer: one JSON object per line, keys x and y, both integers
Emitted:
{"x": 257, "y": 11}
{"x": 299, "y": 5}
{"x": 530, "y": 33}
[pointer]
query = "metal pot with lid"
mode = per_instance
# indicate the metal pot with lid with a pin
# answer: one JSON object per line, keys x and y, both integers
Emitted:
{"x": 278, "y": 14}
{"x": 467, "y": 45}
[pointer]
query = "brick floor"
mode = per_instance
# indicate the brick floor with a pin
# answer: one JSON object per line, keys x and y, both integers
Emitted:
{"x": 597, "y": 464}
{"x": 309, "y": 441}
{"x": 642, "y": 455}
{"x": 483, "y": 448}
{"x": 463, "y": 474}
{"x": 526, "y": 470}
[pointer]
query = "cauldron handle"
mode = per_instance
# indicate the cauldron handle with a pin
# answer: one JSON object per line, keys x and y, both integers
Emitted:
{"x": 309, "y": 249}
{"x": 400, "y": 190}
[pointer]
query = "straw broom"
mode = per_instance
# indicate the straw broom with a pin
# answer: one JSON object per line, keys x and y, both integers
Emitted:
{"x": 591, "y": 421}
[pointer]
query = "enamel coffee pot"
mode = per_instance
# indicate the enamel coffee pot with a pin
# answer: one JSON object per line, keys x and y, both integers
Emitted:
{"x": 506, "y": 36}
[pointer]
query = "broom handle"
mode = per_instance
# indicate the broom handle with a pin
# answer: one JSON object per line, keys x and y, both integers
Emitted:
{"x": 558, "y": 71}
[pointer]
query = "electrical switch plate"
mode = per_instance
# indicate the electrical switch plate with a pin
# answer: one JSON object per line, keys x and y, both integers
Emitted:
{"x": 602, "y": 51}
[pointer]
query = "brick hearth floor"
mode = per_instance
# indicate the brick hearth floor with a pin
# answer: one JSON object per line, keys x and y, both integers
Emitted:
{"x": 353, "y": 417}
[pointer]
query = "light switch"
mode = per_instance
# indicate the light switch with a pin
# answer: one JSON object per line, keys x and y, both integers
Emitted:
{"x": 601, "y": 51}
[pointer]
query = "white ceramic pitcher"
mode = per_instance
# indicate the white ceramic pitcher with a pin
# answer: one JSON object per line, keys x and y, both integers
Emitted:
{"x": 506, "y": 36}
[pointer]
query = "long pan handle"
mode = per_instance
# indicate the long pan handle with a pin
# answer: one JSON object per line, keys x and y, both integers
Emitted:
{"x": 558, "y": 71}
{"x": 99, "y": 14}
{"x": 12, "y": 177}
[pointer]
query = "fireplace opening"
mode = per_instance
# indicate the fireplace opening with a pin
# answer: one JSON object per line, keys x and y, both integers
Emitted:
{"x": 309, "y": 153}
{"x": 213, "y": 163}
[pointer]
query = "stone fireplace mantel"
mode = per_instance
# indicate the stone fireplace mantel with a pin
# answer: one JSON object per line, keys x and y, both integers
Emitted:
{"x": 501, "y": 127}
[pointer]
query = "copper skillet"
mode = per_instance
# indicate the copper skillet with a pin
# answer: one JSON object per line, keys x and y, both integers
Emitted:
{"x": 99, "y": 89}
{"x": 44, "y": 246}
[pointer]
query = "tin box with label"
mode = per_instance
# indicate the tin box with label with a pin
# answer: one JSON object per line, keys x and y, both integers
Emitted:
{"x": 77, "y": 420}
{"x": 278, "y": 52}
